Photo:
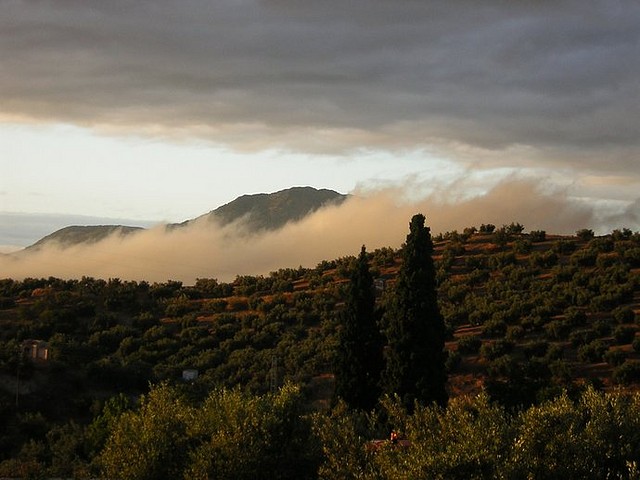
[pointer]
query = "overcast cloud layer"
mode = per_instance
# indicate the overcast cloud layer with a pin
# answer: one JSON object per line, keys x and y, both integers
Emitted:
{"x": 494, "y": 82}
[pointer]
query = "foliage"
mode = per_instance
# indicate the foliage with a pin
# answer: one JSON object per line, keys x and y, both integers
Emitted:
{"x": 231, "y": 436}
{"x": 359, "y": 358}
{"x": 415, "y": 360}
{"x": 596, "y": 436}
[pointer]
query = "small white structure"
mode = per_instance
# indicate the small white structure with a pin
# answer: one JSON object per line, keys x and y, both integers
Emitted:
{"x": 189, "y": 375}
{"x": 36, "y": 350}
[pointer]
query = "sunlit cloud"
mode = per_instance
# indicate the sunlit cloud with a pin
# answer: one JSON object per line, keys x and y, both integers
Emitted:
{"x": 375, "y": 219}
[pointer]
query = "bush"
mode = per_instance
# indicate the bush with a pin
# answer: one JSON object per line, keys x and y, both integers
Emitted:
{"x": 582, "y": 337}
{"x": 583, "y": 258}
{"x": 602, "y": 328}
{"x": 615, "y": 357}
{"x": 575, "y": 317}
{"x": 535, "y": 349}
{"x": 522, "y": 246}
{"x": 624, "y": 334}
{"x": 605, "y": 260}
{"x": 488, "y": 228}
{"x": 592, "y": 352}
{"x": 585, "y": 234}
{"x": 453, "y": 360}
{"x": 469, "y": 344}
{"x": 563, "y": 247}
{"x": 627, "y": 373}
{"x": 623, "y": 314}
{"x": 514, "y": 332}
{"x": 538, "y": 236}
{"x": 557, "y": 330}
{"x": 494, "y": 328}
{"x": 493, "y": 350}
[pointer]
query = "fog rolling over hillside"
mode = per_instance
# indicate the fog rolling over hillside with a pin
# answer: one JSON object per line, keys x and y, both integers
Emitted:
{"x": 206, "y": 249}
{"x": 252, "y": 214}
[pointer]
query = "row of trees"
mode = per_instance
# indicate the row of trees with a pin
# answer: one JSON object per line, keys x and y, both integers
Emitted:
{"x": 412, "y": 365}
{"x": 234, "y": 435}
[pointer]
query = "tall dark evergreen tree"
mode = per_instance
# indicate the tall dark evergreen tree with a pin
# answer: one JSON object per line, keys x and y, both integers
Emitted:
{"x": 415, "y": 331}
{"x": 359, "y": 363}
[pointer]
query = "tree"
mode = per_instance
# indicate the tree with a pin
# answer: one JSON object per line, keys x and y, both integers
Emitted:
{"x": 415, "y": 330}
{"x": 150, "y": 443}
{"x": 359, "y": 361}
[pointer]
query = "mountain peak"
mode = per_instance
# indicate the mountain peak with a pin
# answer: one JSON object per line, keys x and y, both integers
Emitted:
{"x": 258, "y": 212}
{"x": 87, "y": 234}
{"x": 270, "y": 211}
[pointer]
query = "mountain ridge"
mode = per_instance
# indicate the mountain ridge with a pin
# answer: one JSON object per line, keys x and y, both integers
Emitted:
{"x": 255, "y": 212}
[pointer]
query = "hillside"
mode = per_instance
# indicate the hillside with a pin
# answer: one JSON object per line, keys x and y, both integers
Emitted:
{"x": 272, "y": 211}
{"x": 75, "y": 235}
{"x": 529, "y": 315}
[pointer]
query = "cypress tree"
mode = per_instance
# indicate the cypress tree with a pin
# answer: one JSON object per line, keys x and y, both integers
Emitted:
{"x": 415, "y": 331}
{"x": 359, "y": 362}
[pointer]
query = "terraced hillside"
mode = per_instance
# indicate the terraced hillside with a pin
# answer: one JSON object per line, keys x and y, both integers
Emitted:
{"x": 528, "y": 315}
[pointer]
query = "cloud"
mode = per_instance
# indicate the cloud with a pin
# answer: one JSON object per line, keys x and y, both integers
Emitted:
{"x": 376, "y": 219}
{"x": 553, "y": 81}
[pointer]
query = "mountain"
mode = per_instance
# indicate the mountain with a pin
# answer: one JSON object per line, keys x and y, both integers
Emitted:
{"x": 75, "y": 235}
{"x": 272, "y": 211}
{"x": 259, "y": 212}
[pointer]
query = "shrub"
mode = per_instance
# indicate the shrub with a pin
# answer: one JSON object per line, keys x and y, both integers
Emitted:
{"x": 522, "y": 246}
{"x": 605, "y": 260}
{"x": 535, "y": 349}
{"x": 585, "y": 234}
{"x": 501, "y": 260}
{"x": 488, "y": 228}
{"x": 623, "y": 314}
{"x": 493, "y": 350}
{"x": 624, "y": 334}
{"x": 514, "y": 332}
{"x": 601, "y": 245}
{"x": 583, "y": 258}
{"x": 469, "y": 344}
{"x": 494, "y": 328}
{"x": 602, "y": 328}
{"x": 557, "y": 330}
{"x": 615, "y": 357}
{"x": 452, "y": 361}
{"x": 628, "y": 372}
{"x": 582, "y": 337}
{"x": 554, "y": 352}
{"x": 575, "y": 317}
{"x": 538, "y": 235}
{"x": 503, "y": 366}
{"x": 592, "y": 352}
{"x": 563, "y": 247}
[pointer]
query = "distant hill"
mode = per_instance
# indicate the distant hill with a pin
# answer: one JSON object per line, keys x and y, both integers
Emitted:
{"x": 271, "y": 211}
{"x": 259, "y": 212}
{"x": 75, "y": 235}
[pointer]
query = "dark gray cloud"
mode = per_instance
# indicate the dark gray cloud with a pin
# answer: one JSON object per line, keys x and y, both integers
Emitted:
{"x": 559, "y": 78}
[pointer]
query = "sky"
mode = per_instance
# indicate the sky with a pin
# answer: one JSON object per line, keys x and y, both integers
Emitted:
{"x": 150, "y": 112}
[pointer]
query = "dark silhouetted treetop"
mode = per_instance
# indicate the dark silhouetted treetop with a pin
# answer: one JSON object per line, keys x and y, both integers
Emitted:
{"x": 359, "y": 360}
{"x": 415, "y": 330}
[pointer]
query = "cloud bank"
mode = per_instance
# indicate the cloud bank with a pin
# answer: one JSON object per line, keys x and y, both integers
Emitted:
{"x": 376, "y": 219}
{"x": 504, "y": 82}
